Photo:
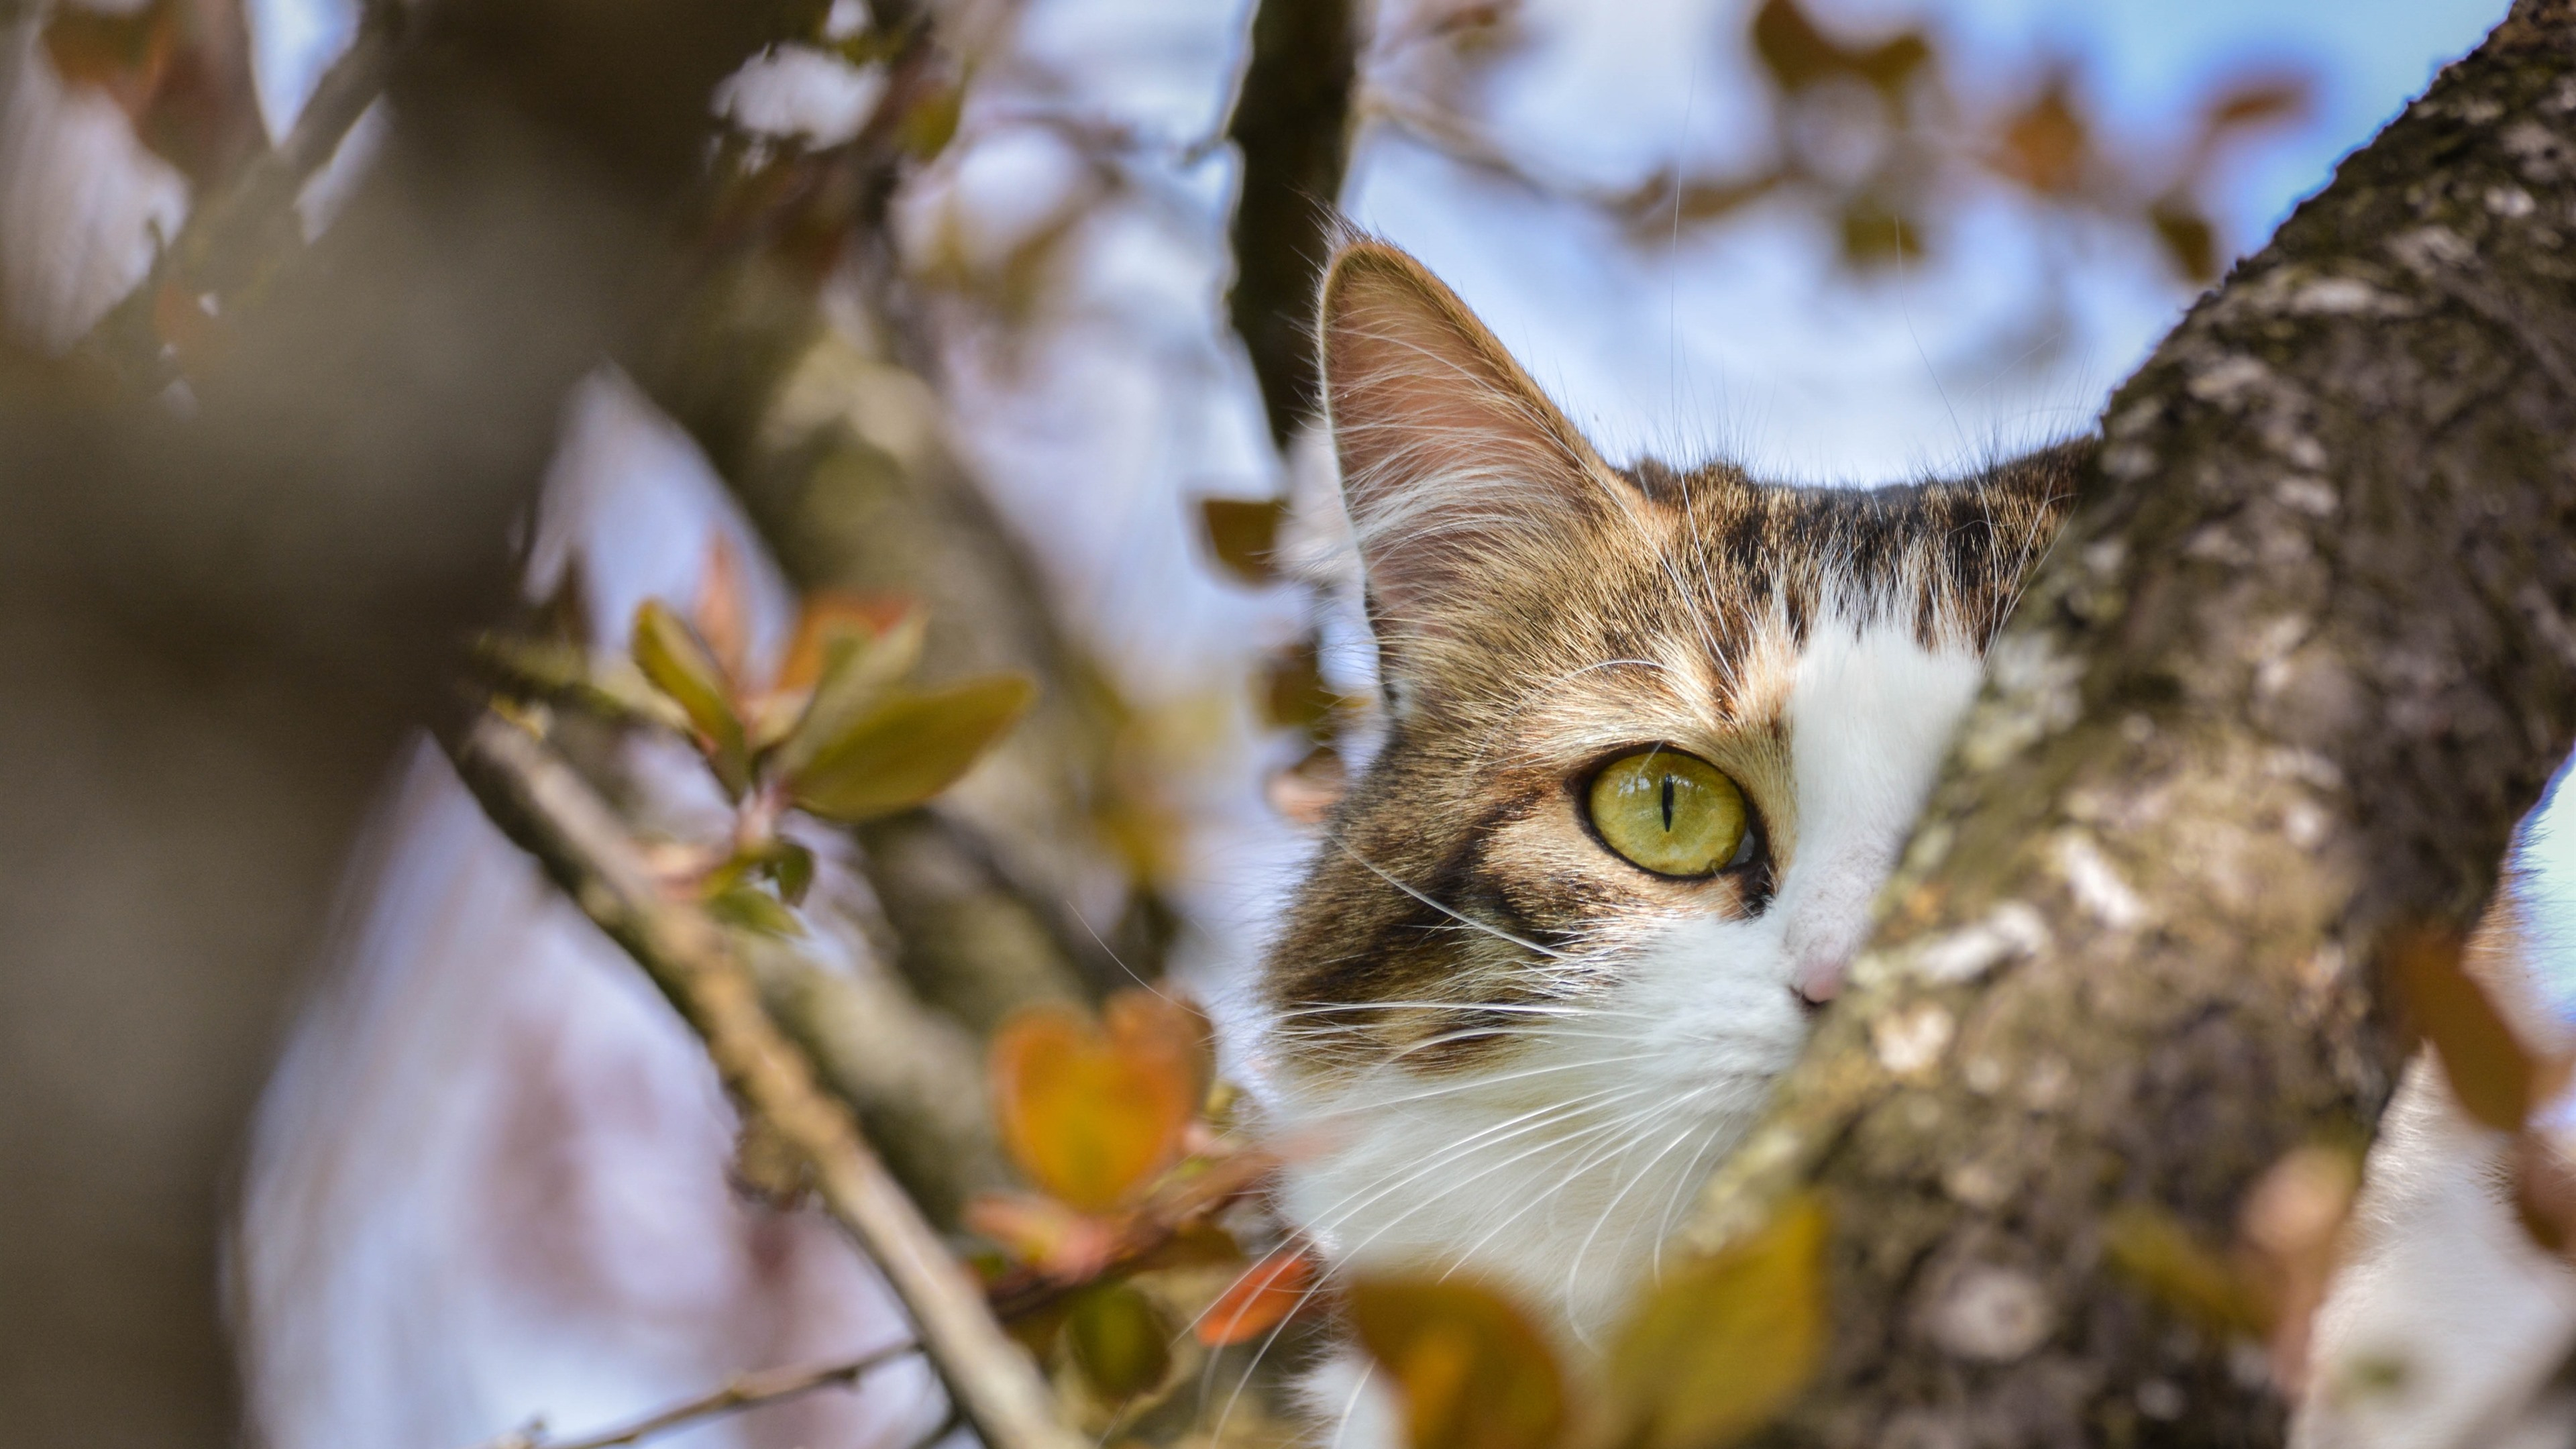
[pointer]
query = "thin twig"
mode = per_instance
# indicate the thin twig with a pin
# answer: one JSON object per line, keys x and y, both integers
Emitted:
{"x": 742, "y": 1391}
{"x": 553, "y": 813}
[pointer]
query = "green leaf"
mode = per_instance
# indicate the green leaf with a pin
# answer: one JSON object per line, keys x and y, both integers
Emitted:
{"x": 754, "y": 909}
{"x": 1119, "y": 1343}
{"x": 2155, "y": 1251}
{"x": 909, "y": 748}
{"x": 858, "y": 669}
{"x": 932, "y": 122}
{"x": 1474, "y": 1374}
{"x": 1726, "y": 1342}
{"x": 792, "y": 867}
{"x": 680, "y": 665}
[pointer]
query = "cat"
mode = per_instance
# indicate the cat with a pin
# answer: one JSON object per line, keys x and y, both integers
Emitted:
{"x": 1652, "y": 739}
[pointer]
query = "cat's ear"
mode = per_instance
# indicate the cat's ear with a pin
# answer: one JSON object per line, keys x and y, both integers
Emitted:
{"x": 1456, "y": 468}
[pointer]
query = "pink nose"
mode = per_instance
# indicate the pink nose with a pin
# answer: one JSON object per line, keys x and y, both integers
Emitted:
{"x": 1818, "y": 982}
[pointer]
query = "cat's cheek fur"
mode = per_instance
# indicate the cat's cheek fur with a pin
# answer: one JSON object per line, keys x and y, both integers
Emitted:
{"x": 1557, "y": 1170}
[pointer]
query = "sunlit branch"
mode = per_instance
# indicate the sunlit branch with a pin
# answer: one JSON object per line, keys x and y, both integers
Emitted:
{"x": 544, "y": 805}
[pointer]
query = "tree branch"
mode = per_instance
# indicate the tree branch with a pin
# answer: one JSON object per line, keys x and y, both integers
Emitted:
{"x": 1292, "y": 123}
{"x": 2288, "y": 682}
{"x": 743, "y": 1391}
{"x": 552, "y": 813}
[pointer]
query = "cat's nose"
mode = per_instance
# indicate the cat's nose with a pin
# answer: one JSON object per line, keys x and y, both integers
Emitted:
{"x": 1818, "y": 981}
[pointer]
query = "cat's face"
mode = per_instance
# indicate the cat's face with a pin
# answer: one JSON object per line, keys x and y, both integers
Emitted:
{"x": 1653, "y": 741}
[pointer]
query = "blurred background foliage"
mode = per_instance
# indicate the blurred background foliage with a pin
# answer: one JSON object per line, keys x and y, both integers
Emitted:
{"x": 992, "y": 310}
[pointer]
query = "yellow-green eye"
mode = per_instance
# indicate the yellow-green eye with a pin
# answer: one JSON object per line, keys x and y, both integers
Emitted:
{"x": 1672, "y": 813}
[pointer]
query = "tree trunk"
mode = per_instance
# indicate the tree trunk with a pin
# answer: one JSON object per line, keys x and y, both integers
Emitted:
{"x": 2298, "y": 666}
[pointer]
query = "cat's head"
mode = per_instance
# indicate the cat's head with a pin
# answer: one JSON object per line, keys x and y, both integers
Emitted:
{"x": 1653, "y": 739}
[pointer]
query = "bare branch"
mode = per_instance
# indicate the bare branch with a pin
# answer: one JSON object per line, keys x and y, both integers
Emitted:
{"x": 543, "y": 804}
{"x": 743, "y": 1391}
{"x": 1292, "y": 122}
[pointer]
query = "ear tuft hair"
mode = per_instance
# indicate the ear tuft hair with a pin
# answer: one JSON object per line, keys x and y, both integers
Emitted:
{"x": 1455, "y": 466}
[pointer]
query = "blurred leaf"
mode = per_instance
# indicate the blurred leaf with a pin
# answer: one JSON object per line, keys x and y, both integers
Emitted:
{"x": 828, "y": 616}
{"x": 2259, "y": 102}
{"x": 1875, "y": 235}
{"x": 1148, "y": 1026}
{"x": 1118, "y": 1341}
{"x": 1798, "y": 53}
{"x": 1258, "y": 1301}
{"x": 754, "y": 909}
{"x": 679, "y": 664}
{"x": 722, "y": 612}
{"x": 1042, "y": 1233}
{"x": 2292, "y": 1230}
{"x": 1891, "y": 65}
{"x": 931, "y": 123}
{"x": 1306, "y": 792}
{"x": 1725, "y": 1343}
{"x": 1293, "y": 692}
{"x": 2489, "y": 1072}
{"x": 124, "y": 54}
{"x": 909, "y": 748}
{"x": 1791, "y": 47}
{"x": 792, "y": 867}
{"x": 1091, "y": 1118}
{"x": 2162, "y": 1257}
{"x": 2046, "y": 146}
{"x": 2188, "y": 238}
{"x": 1192, "y": 1245}
{"x": 1243, "y": 534}
{"x": 2544, "y": 1192}
{"x": 1474, "y": 1374}
{"x": 857, "y": 672}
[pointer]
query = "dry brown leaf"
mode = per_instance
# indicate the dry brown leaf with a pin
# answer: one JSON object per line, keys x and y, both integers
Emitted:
{"x": 1473, "y": 1373}
{"x": 1727, "y": 1341}
{"x": 2485, "y": 1063}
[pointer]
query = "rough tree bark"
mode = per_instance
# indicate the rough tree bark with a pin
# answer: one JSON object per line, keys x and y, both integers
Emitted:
{"x": 2298, "y": 666}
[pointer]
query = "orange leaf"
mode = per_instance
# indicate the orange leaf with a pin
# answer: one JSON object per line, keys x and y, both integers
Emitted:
{"x": 2260, "y": 101}
{"x": 1091, "y": 1118}
{"x": 827, "y": 616}
{"x": 1474, "y": 1374}
{"x": 124, "y": 54}
{"x": 1148, "y": 1025}
{"x": 723, "y": 609}
{"x": 2485, "y": 1063}
{"x": 2047, "y": 146}
{"x": 1262, "y": 1298}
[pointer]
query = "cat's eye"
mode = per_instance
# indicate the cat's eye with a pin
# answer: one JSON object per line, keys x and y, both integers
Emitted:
{"x": 1671, "y": 813}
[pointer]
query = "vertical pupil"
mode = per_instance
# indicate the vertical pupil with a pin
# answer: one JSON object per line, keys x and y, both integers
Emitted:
{"x": 1668, "y": 804}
